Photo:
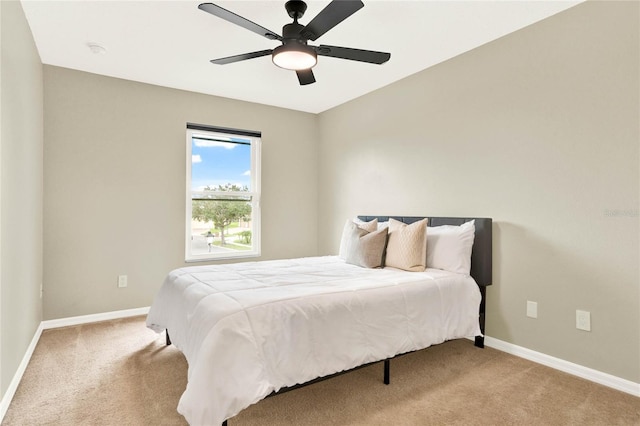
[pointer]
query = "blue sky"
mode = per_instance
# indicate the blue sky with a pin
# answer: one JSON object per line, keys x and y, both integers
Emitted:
{"x": 218, "y": 162}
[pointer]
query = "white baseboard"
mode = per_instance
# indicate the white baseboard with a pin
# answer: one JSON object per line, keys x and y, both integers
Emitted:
{"x": 587, "y": 373}
{"x": 86, "y": 319}
{"x": 13, "y": 386}
{"x": 63, "y": 322}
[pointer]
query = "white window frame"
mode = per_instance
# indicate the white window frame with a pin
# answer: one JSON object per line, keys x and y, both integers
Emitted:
{"x": 253, "y": 194}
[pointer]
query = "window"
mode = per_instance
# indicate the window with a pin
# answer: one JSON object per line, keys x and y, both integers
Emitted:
{"x": 223, "y": 193}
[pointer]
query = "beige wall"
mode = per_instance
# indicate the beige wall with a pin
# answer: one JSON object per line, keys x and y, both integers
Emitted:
{"x": 538, "y": 130}
{"x": 115, "y": 185}
{"x": 21, "y": 190}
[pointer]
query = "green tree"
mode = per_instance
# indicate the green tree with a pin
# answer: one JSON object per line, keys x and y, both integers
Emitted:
{"x": 245, "y": 237}
{"x": 221, "y": 212}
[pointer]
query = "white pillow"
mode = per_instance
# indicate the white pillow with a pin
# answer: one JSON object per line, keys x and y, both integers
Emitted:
{"x": 407, "y": 245}
{"x": 346, "y": 234}
{"x": 449, "y": 247}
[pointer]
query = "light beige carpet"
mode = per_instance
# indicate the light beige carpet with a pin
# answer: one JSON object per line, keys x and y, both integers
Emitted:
{"x": 120, "y": 373}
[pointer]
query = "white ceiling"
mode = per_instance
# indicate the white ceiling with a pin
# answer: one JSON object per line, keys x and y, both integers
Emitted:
{"x": 170, "y": 43}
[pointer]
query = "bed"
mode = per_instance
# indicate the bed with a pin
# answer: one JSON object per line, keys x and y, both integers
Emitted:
{"x": 251, "y": 329}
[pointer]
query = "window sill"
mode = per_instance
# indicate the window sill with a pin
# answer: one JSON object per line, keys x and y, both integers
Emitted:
{"x": 214, "y": 258}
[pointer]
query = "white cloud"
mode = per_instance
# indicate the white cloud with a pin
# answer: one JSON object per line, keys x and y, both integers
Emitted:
{"x": 204, "y": 143}
{"x": 196, "y": 159}
{"x": 247, "y": 173}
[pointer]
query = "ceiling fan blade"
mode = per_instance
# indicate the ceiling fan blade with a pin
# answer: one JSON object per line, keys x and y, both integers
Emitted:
{"x": 244, "y": 56}
{"x": 335, "y": 12}
{"x": 238, "y": 20}
{"x": 369, "y": 56}
{"x": 305, "y": 77}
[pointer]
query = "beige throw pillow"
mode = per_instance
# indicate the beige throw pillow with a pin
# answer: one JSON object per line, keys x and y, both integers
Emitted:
{"x": 407, "y": 246}
{"x": 365, "y": 248}
{"x": 344, "y": 241}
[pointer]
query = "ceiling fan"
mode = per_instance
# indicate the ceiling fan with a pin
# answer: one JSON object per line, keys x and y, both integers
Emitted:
{"x": 294, "y": 53}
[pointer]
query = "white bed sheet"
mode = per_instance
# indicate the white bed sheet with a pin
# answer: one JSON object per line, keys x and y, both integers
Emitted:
{"x": 248, "y": 329}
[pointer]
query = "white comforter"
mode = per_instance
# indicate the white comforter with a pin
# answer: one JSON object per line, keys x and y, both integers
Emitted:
{"x": 248, "y": 329}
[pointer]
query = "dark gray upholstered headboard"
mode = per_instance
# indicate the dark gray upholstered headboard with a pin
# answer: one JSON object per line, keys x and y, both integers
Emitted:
{"x": 481, "y": 260}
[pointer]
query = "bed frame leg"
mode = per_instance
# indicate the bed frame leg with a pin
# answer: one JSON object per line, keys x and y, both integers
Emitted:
{"x": 387, "y": 365}
{"x": 483, "y": 303}
{"x": 168, "y": 338}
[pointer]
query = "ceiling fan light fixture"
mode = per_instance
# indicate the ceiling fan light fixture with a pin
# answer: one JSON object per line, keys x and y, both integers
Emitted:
{"x": 294, "y": 56}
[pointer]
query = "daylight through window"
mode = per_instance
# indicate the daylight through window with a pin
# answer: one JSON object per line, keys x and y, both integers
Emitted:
{"x": 223, "y": 193}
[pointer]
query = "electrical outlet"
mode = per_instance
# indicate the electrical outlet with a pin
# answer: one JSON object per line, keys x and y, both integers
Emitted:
{"x": 583, "y": 320}
{"x": 532, "y": 309}
{"x": 122, "y": 281}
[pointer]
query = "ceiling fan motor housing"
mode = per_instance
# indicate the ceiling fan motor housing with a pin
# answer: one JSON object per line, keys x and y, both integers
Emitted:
{"x": 291, "y": 32}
